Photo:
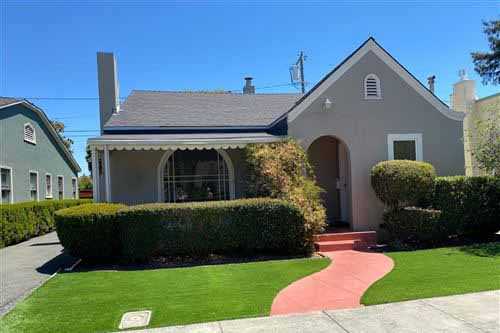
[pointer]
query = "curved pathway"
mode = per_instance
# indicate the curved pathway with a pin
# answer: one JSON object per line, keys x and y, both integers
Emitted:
{"x": 339, "y": 286}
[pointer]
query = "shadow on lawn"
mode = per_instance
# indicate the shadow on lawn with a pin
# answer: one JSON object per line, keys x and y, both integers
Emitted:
{"x": 483, "y": 250}
{"x": 179, "y": 262}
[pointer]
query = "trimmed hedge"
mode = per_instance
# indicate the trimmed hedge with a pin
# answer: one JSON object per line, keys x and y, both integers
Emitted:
{"x": 413, "y": 226}
{"x": 401, "y": 183}
{"x": 470, "y": 204}
{"x": 138, "y": 233}
{"x": 22, "y": 221}
{"x": 244, "y": 226}
{"x": 90, "y": 231}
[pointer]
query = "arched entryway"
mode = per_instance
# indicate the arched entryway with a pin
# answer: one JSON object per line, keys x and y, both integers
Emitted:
{"x": 329, "y": 157}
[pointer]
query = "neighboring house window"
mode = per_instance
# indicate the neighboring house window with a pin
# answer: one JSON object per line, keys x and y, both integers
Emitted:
{"x": 6, "y": 185}
{"x": 60, "y": 187}
{"x": 29, "y": 133}
{"x": 74, "y": 188}
{"x": 34, "y": 186}
{"x": 48, "y": 185}
{"x": 405, "y": 147}
{"x": 372, "y": 87}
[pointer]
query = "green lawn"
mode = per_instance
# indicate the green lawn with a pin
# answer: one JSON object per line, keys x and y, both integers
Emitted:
{"x": 95, "y": 301}
{"x": 438, "y": 272}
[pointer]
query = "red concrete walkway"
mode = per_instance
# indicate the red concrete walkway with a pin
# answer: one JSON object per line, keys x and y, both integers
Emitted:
{"x": 339, "y": 286}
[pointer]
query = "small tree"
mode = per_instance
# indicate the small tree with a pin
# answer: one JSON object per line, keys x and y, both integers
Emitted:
{"x": 486, "y": 148}
{"x": 59, "y": 128}
{"x": 487, "y": 64}
{"x": 84, "y": 182}
{"x": 282, "y": 170}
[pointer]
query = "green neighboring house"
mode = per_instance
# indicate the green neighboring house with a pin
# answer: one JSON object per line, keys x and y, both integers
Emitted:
{"x": 34, "y": 162}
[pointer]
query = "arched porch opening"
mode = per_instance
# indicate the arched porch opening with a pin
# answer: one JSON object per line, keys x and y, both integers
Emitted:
{"x": 195, "y": 175}
{"x": 329, "y": 157}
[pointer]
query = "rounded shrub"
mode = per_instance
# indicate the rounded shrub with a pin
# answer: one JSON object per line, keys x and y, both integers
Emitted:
{"x": 403, "y": 183}
{"x": 89, "y": 231}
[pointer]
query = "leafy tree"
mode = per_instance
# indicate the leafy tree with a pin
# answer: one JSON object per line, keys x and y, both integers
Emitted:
{"x": 487, "y": 64}
{"x": 84, "y": 182}
{"x": 486, "y": 149}
{"x": 59, "y": 128}
{"x": 88, "y": 158}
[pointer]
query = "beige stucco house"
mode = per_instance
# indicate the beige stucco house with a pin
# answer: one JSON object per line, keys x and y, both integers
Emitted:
{"x": 477, "y": 111}
{"x": 182, "y": 146}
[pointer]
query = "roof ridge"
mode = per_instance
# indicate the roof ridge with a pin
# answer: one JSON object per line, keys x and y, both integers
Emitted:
{"x": 206, "y": 92}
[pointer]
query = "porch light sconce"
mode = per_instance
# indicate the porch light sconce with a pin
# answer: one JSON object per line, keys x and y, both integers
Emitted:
{"x": 327, "y": 105}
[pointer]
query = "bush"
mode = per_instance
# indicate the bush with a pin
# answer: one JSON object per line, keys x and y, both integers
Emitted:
{"x": 471, "y": 204}
{"x": 89, "y": 231}
{"x": 247, "y": 226}
{"x": 281, "y": 170}
{"x": 22, "y": 221}
{"x": 402, "y": 183}
{"x": 415, "y": 227}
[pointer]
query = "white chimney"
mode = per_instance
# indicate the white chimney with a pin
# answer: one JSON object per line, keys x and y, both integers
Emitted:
{"x": 464, "y": 93}
{"x": 109, "y": 95}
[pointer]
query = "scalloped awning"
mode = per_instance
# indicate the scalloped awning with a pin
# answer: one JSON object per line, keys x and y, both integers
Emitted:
{"x": 180, "y": 141}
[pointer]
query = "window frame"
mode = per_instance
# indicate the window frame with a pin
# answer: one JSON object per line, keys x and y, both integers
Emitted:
{"x": 74, "y": 190}
{"x": 33, "y": 141}
{"x": 379, "y": 88}
{"x": 49, "y": 195}
{"x": 60, "y": 177}
{"x": 37, "y": 184}
{"x": 11, "y": 189}
{"x": 416, "y": 137}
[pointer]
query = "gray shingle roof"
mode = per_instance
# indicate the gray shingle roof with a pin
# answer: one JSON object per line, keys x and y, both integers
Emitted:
{"x": 197, "y": 109}
{"x": 7, "y": 100}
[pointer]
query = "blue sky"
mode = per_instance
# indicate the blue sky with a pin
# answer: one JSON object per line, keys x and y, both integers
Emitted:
{"x": 49, "y": 47}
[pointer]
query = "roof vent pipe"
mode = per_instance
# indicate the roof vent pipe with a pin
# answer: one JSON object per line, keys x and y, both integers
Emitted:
{"x": 248, "y": 88}
{"x": 431, "y": 80}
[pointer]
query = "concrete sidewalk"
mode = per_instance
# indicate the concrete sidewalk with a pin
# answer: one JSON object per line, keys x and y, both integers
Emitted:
{"x": 26, "y": 265}
{"x": 477, "y": 312}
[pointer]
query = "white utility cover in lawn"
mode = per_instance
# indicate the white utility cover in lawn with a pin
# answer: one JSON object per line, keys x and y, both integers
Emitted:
{"x": 135, "y": 319}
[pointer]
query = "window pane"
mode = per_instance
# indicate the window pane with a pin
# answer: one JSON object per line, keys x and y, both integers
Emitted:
{"x": 197, "y": 175}
{"x": 405, "y": 150}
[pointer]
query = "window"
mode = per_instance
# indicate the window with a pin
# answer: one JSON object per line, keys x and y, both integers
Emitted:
{"x": 74, "y": 188}
{"x": 48, "y": 186}
{"x": 60, "y": 187}
{"x": 405, "y": 147}
{"x": 29, "y": 133}
{"x": 6, "y": 185}
{"x": 196, "y": 175}
{"x": 33, "y": 186}
{"x": 372, "y": 87}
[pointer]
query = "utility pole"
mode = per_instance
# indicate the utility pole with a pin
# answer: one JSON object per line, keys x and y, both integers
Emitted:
{"x": 300, "y": 62}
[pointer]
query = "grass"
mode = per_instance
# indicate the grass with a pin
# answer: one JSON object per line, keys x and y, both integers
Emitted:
{"x": 438, "y": 272}
{"x": 95, "y": 301}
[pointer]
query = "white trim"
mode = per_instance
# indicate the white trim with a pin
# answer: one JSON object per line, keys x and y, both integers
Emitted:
{"x": 377, "y": 82}
{"x": 416, "y": 137}
{"x": 49, "y": 195}
{"x": 107, "y": 174}
{"x": 77, "y": 194}
{"x": 30, "y": 125}
{"x": 50, "y": 128}
{"x": 37, "y": 183}
{"x": 163, "y": 162}
{"x": 371, "y": 45}
{"x": 182, "y": 144}
{"x": 95, "y": 174}
{"x": 11, "y": 183}
{"x": 62, "y": 177}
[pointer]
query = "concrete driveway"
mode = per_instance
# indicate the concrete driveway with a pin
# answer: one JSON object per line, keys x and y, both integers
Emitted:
{"x": 474, "y": 313}
{"x": 25, "y": 266}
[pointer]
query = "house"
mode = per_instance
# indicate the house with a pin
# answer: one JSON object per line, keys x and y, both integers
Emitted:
{"x": 180, "y": 146}
{"x": 476, "y": 110}
{"x": 34, "y": 162}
